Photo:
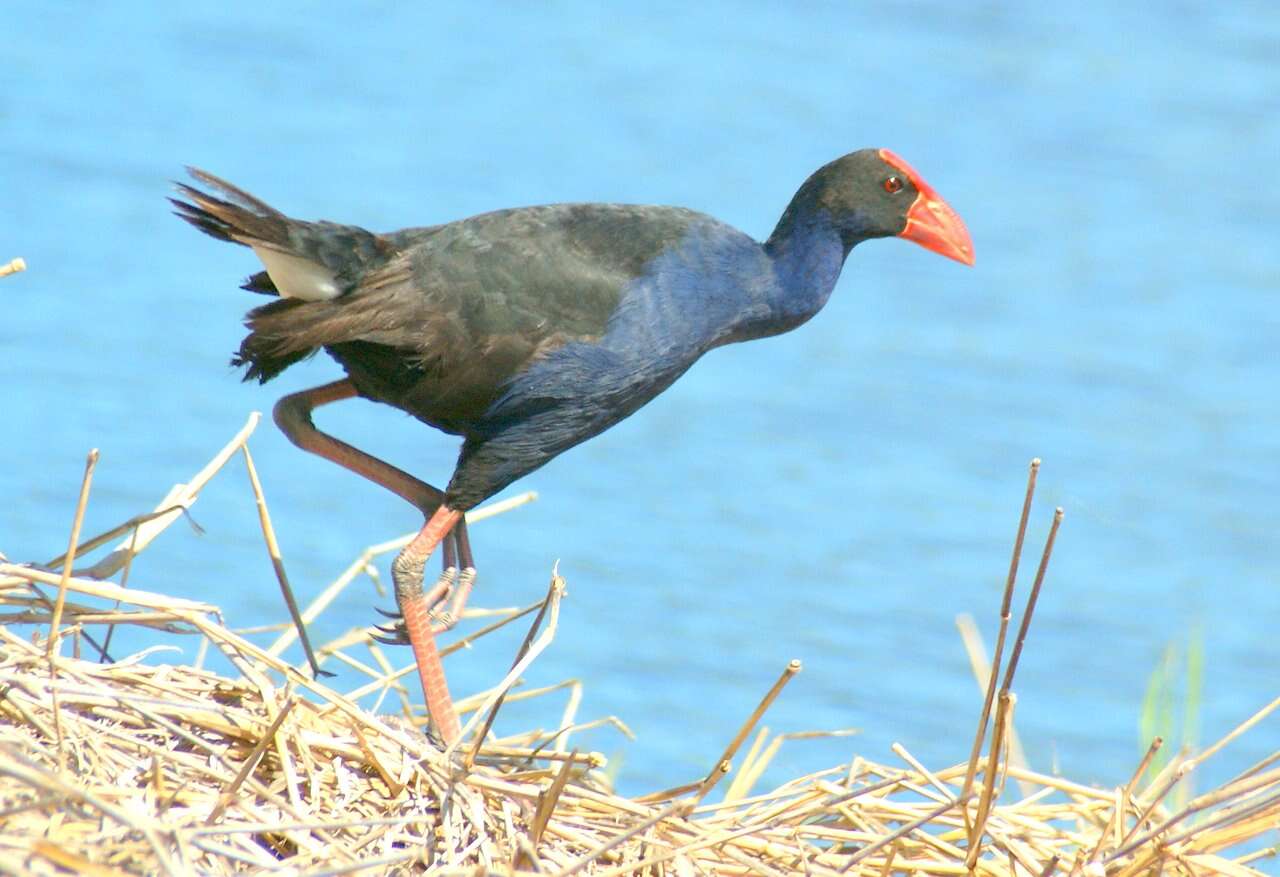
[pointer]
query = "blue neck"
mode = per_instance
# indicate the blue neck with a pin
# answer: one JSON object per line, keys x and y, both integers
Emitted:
{"x": 807, "y": 255}
{"x": 719, "y": 287}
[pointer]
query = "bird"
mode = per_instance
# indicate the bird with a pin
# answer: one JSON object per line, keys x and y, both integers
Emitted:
{"x": 527, "y": 331}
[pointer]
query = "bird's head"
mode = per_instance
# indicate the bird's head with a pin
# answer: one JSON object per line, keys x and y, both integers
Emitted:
{"x": 873, "y": 193}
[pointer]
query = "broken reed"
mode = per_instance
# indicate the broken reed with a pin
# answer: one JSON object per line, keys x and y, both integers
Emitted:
{"x": 146, "y": 768}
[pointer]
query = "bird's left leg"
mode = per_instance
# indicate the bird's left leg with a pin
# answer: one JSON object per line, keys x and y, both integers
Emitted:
{"x": 416, "y": 606}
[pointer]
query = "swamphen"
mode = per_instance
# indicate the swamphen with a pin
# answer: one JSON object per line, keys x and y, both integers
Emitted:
{"x": 527, "y": 331}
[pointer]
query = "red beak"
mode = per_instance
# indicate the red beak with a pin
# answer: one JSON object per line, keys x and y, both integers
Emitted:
{"x": 931, "y": 222}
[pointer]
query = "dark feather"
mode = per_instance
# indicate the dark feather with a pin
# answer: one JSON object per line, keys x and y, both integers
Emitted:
{"x": 260, "y": 283}
{"x": 438, "y": 320}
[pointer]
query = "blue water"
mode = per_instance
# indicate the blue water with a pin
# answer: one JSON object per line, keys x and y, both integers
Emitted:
{"x": 838, "y": 494}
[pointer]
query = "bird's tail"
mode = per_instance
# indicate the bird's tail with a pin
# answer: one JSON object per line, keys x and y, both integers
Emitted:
{"x": 306, "y": 260}
{"x": 309, "y": 265}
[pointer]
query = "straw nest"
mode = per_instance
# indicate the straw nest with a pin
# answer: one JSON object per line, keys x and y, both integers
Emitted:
{"x": 135, "y": 767}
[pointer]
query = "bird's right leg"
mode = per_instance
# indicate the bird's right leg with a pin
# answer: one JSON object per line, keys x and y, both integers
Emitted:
{"x": 293, "y": 416}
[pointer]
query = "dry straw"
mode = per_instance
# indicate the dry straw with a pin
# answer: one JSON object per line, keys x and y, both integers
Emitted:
{"x": 135, "y": 767}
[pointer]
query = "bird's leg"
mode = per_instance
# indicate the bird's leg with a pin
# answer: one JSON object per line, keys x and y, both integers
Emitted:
{"x": 449, "y": 552}
{"x": 407, "y": 571}
{"x": 293, "y": 416}
{"x": 466, "y": 577}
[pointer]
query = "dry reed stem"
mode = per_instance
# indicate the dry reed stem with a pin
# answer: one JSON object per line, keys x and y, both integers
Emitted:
{"x": 529, "y": 650}
{"x": 82, "y": 503}
{"x": 1005, "y": 697}
{"x": 1032, "y": 599}
{"x": 976, "y": 652}
{"x": 523, "y": 657}
{"x": 174, "y": 504}
{"x": 755, "y": 761}
{"x": 1239, "y": 729}
{"x": 277, "y": 562}
{"x": 1006, "y": 612}
{"x": 725, "y": 762}
{"x": 1123, "y": 797}
{"x": 176, "y": 769}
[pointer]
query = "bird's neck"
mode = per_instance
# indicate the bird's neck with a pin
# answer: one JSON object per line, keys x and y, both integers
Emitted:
{"x": 807, "y": 254}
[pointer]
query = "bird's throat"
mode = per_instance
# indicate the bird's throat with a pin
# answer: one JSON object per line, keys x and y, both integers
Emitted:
{"x": 807, "y": 254}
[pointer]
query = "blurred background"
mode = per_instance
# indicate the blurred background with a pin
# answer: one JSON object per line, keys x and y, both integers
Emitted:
{"x": 838, "y": 494}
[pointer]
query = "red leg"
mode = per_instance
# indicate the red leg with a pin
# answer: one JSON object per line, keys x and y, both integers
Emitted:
{"x": 416, "y": 607}
{"x": 293, "y": 416}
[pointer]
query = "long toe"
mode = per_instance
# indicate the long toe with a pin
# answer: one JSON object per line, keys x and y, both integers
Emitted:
{"x": 442, "y": 620}
{"x": 440, "y": 591}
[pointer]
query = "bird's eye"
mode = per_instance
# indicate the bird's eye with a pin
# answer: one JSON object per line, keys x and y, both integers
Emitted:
{"x": 893, "y": 184}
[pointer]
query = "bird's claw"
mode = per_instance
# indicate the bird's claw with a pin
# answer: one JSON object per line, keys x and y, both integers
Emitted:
{"x": 395, "y": 634}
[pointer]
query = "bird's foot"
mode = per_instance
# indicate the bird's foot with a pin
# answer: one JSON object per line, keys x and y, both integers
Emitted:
{"x": 450, "y": 582}
{"x": 445, "y": 619}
